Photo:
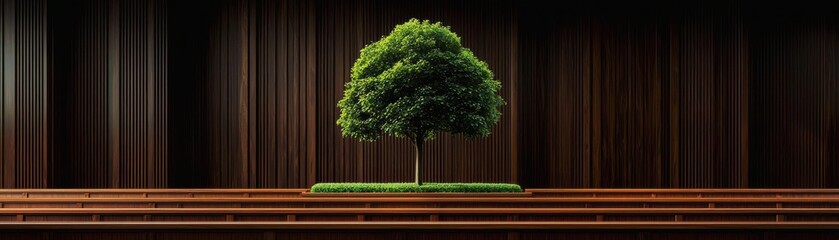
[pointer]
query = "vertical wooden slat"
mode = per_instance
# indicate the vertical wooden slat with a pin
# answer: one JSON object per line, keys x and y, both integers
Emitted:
{"x": 114, "y": 82}
{"x": 9, "y": 75}
{"x": 311, "y": 105}
{"x": 513, "y": 63}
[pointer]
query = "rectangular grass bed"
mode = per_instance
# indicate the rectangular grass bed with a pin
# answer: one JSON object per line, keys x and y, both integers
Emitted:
{"x": 413, "y": 187}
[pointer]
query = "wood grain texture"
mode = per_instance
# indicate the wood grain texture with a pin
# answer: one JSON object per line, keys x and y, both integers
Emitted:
{"x": 734, "y": 217}
{"x": 151, "y": 93}
{"x": 109, "y": 124}
{"x": 793, "y": 101}
{"x": 24, "y": 92}
{"x": 734, "y": 206}
{"x": 244, "y": 111}
{"x": 623, "y": 100}
{"x": 392, "y": 226}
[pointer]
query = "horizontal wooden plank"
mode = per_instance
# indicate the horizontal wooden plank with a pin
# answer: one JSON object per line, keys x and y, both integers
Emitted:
{"x": 415, "y": 200}
{"x": 530, "y": 190}
{"x": 13, "y": 211}
{"x": 413, "y": 225}
{"x": 419, "y": 200}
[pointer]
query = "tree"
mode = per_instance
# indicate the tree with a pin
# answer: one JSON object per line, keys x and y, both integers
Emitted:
{"x": 416, "y": 82}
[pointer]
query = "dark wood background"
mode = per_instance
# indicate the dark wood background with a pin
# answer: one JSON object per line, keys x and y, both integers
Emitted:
{"x": 224, "y": 93}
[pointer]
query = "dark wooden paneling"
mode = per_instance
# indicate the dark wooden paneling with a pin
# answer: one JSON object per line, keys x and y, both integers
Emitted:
{"x": 711, "y": 100}
{"x": 244, "y": 114}
{"x": 616, "y": 99}
{"x": 555, "y": 99}
{"x": 80, "y": 95}
{"x": 277, "y": 107}
{"x": 627, "y": 103}
{"x": 24, "y": 94}
{"x": 142, "y": 122}
{"x": 152, "y": 93}
{"x": 109, "y": 93}
{"x": 794, "y": 65}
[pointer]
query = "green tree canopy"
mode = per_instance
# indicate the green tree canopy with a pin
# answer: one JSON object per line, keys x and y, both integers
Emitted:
{"x": 416, "y": 82}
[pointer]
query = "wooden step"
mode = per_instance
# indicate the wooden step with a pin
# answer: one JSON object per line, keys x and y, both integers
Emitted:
{"x": 7, "y": 211}
{"x": 320, "y": 226}
{"x": 422, "y": 199}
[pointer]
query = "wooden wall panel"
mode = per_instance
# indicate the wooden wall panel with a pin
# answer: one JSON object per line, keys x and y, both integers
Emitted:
{"x": 245, "y": 117}
{"x": 153, "y": 93}
{"x": 24, "y": 94}
{"x": 611, "y": 98}
{"x": 110, "y": 94}
{"x": 263, "y": 134}
{"x": 30, "y": 94}
{"x": 555, "y": 85}
{"x": 345, "y": 27}
{"x": 627, "y": 101}
{"x": 284, "y": 96}
{"x": 711, "y": 100}
{"x": 794, "y": 65}
{"x": 80, "y": 95}
{"x": 142, "y": 80}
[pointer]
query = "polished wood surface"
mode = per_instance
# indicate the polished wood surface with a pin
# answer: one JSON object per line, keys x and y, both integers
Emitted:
{"x": 439, "y": 200}
{"x": 24, "y": 95}
{"x": 576, "y": 205}
{"x": 401, "y": 211}
{"x": 421, "y": 226}
{"x": 243, "y": 113}
{"x": 109, "y": 94}
{"x": 632, "y": 214}
{"x": 621, "y": 99}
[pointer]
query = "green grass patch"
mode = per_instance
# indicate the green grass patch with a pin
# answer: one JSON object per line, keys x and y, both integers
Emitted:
{"x": 413, "y": 187}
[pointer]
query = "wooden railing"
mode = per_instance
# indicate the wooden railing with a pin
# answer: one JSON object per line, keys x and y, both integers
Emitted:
{"x": 418, "y": 214}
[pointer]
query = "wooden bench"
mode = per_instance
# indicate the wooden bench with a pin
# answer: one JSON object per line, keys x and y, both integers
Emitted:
{"x": 535, "y": 209}
{"x": 535, "y": 198}
{"x": 446, "y": 226}
{"x": 395, "y": 202}
{"x": 421, "y": 214}
{"x": 273, "y": 193}
{"x": 148, "y": 193}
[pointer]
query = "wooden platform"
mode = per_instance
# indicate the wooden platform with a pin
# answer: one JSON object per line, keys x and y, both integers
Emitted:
{"x": 537, "y": 214}
{"x": 551, "y": 208}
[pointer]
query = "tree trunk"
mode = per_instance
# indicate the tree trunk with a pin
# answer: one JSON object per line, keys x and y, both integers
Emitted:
{"x": 418, "y": 163}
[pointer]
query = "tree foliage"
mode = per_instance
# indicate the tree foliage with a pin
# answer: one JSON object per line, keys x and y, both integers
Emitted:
{"x": 416, "y": 82}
